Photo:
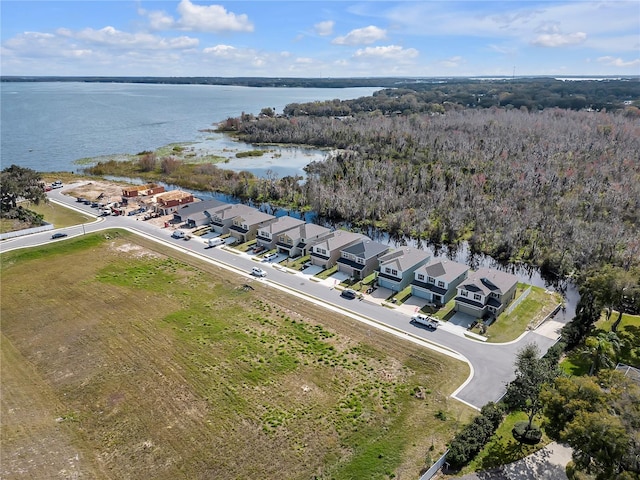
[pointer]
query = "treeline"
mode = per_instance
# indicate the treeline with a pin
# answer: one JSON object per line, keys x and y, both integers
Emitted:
{"x": 403, "y": 95}
{"x": 438, "y": 97}
{"x": 556, "y": 189}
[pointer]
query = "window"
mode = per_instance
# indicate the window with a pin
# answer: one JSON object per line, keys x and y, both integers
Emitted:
{"x": 394, "y": 272}
{"x": 441, "y": 284}
{"x": 361, "y": 261}
{"x": 431, "y": 280}
{"x": 477, "y": 297}
{"x": 387, "y": 270}
{"x": 464, "y": 293}
{"x": 421, "y": 277}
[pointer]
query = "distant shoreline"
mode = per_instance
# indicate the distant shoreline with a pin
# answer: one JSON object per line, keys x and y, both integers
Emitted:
{"x": 383, "y": 82}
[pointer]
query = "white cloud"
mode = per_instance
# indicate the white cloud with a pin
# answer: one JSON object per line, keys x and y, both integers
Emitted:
{"x": 324, "y": 28}
{"x": 391, "y": 52}
{"x": 160, "y": 20}
{"x": 553, "y": 40}
{"x": 220, "y": 50}
{"x": 361, "y": 36}
{"x": 618, "y": 62}
{"x": 109, "y": 36}
{"x": 211, "y": 18}
{"x": 452, "y": 62}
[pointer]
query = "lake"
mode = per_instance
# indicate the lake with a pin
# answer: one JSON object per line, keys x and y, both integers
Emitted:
{"x": 47, "y": 126}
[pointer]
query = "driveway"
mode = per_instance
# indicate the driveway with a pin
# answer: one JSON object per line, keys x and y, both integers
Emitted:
{"x": 548, "y": 463}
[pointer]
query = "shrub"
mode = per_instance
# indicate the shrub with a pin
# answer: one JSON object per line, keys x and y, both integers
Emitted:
{"x": 523, "y": 434}
{"x": 473, "y": 437}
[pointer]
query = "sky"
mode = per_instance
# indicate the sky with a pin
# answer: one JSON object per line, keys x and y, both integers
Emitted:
{"x": 330, "y": 39}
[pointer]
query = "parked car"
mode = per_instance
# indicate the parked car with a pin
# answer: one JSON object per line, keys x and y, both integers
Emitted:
{"x": 258, "y": 272}
{"x": 214, "y": 242}
{"x": 349, "y": 293}
{"x": 178, "y": 234}
{"x": 269, "y": 257}
{"x": 425, "y": 321}
{"x": 58, "y": 235}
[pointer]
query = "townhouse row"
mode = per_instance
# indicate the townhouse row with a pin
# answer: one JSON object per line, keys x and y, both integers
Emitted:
{"x": 484, "y": 293}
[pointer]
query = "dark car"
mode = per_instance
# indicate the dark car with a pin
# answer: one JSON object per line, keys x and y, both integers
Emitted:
{"x": 58, "y": 235}
{"x": 348, "y": 293}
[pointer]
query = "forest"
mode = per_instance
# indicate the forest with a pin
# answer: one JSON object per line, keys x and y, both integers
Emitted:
{"x": 557, "y": 189}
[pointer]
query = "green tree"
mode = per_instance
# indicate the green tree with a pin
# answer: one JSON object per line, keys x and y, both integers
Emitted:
{"x": 617, "y": 289}
{"x": 602, "y": 350}
{"x": 599, "y": 417}
{"x": 532, "y": 373}
{"x": 16, "y": 183}
{"x": 600, "y": 442}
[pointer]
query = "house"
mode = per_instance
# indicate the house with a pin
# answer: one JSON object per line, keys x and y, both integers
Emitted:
{"x": 244, "y": 227}
{"x": 169, "y": 202}
{"x": 486, "y": 293}
{"x": 437, "y": 281}
{"x": 325, "y": 251}
{"x": 222, "y": 216}
{"x": 139, "y": 190}
{"x": 396, "y": 267}
{"x": 269, "y": 231}
{"x": 361, "y": 258}
{"x": 295, "y": 242}
{"x": 196, "y": 214}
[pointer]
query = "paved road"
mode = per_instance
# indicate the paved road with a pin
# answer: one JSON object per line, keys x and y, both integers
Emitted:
{"x": 492, "y": 365}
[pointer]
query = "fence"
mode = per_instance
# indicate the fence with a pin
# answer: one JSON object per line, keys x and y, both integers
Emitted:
{"x": 524, "y": 295}
{"x": 28, "y": 231}
{"x": 435, "y": 468}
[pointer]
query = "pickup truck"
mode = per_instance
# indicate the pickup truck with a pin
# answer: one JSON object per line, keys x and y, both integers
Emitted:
{"x": 425, "y": 321}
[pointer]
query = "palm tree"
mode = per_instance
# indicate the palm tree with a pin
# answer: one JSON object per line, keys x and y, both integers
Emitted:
{"x": 602, "y": 349}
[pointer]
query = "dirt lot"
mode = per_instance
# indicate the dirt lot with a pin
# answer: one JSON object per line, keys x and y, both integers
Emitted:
{"x": 104, "y": 191}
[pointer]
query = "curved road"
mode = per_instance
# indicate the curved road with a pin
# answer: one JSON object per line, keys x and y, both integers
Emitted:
{"x": 492, "y": 365}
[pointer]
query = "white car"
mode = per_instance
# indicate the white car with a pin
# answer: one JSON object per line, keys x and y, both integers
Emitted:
{"x": 269, "y": 257}
{"x": 214, "y": 242}
{"x": 258, "y": 272}
{"x": 425, "y": 321}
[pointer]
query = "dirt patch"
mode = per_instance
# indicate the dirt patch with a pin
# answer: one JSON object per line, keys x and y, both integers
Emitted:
{"x": 98, "y": 190}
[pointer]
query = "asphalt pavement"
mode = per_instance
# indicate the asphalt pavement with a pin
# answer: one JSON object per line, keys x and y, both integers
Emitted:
{"x": 492, "y": 365}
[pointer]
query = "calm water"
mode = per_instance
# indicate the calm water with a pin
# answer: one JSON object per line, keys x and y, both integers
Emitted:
{"x": 48, "y": 126}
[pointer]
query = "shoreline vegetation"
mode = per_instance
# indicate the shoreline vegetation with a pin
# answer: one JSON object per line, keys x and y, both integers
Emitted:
{"x": 557, "y": 190}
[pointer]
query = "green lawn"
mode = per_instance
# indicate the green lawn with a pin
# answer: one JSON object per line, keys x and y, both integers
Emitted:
{"x": 60, "y": 216}
{"x": 502, "y": 448}
{"x": 533, "y": 309}
{"x": 629, "y": 333}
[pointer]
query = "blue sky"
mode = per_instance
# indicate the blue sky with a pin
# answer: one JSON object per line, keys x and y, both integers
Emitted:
{"x": 305, "y": 38}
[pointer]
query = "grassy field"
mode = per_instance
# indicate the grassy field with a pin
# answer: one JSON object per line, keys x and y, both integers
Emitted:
{"x": 120, "y": 361}
{"x": 60, "y": 216}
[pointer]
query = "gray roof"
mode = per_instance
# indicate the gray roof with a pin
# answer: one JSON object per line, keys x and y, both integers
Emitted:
{"x": 254, "y": 217}
{"x": 338, "y": 239}
{"x": 404, "y": 258}
{"x": 280, "y": 224}
{"x": 311, "y": 231}
{"x": 366, "y": 249}
{"x": 191, "y": 208}
{"x": 446, "y": 270}
{"x": 489, "y": 280}
{"x": 227, "y": 211}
